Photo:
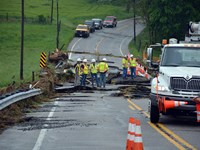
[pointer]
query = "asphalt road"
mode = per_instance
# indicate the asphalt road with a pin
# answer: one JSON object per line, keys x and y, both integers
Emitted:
{"x": 107, "y": 41}
{"x": 98, "y": 119}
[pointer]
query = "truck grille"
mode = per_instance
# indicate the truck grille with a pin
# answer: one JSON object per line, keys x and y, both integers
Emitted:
{"x": 180, "y": 83}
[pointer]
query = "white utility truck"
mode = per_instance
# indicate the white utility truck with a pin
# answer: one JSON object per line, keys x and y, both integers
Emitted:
{"x": 177, "y": 82}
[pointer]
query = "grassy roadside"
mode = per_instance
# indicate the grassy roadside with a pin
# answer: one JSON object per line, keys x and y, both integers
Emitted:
{"x": 41, "y": 37}
{"x": 142, "y": 40}
{"x": 141, "y": 44}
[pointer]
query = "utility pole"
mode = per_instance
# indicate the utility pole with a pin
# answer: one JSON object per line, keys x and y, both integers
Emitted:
{"x": 22, "y": 42}
{"x": 134, "y": 23}
{"x": 51, "y": 12}
{"x": 58, "y": 28}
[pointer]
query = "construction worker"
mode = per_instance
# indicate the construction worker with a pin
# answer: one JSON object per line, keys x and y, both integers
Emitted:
{"x": 103, "y": 68}
{"x": 84, "y": 70}
{"x": 93, "y": 69}
{"x": 77, "y": 67}
{"x": 124, "y": 66}
{"x": 132, "y": 62}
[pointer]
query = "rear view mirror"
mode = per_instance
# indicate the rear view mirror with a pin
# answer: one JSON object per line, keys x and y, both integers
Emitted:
{"x": 149, "y": 56}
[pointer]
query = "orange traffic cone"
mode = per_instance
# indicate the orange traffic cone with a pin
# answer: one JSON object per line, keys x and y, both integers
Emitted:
{"x": 138, "y": 145}
{"x": 131, "y": 134}
{"x": 173, "y": 104}
{"x": 128, "y": 71}
{"x": 198, "y": 112}
{"x": 142, "y": 70}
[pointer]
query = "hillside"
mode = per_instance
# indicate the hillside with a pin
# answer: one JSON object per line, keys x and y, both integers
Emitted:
{"x": 41, "y": 37}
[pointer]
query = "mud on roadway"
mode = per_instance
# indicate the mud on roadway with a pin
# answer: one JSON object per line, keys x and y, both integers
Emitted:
{"x": 78, "y": 96}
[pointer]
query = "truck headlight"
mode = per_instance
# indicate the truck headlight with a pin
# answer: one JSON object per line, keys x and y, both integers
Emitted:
{"x": 161, "y": 88}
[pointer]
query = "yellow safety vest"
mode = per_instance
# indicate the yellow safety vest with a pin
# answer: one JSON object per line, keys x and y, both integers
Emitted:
{"x": 93, "y": 68}
{"x": 133, "y": 62}
{"x": 78, "y": 69}
{"x": 85, "y": 69}
{"x": 103, "y": 67}
{"x": 124, "y": 63}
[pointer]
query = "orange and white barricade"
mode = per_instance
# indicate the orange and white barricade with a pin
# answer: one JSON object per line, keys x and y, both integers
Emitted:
{"x": 141, "y": 71}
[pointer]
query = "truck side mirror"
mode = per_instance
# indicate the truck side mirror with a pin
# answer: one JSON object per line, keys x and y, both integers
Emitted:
{"x": 149, "y": 56}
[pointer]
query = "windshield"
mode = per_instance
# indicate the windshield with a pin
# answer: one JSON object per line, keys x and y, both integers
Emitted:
{"x": 109, "y": 19}
{"x": 88, "y": 23}
{"x": 181, "y": 56}
{"x": 82, "y": 27}
{"x": 96, "y": 21}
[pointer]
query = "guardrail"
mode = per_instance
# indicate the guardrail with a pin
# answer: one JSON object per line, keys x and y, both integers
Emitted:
{"x": 18, "y": 97}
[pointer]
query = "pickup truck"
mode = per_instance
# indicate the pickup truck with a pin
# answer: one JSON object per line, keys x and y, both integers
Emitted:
{"x": 110, "y": 21}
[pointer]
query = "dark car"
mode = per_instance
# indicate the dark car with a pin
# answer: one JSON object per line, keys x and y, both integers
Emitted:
{"x": 110, "y": 21}
{"x": 98, "y": 23}
{"x": 82, "y": 31}
{"x": 91, "y": 25}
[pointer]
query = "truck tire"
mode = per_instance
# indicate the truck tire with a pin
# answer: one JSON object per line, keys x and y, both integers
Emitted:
{"x": 154, "y": 114}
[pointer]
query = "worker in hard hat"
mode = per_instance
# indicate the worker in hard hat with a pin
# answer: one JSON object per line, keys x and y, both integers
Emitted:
{"x": 77, "y": 67}
{"x": 124, "y": 66}
{"x": 93, "y": 69}
{"x": 103, "y": 68}
{"x": 85, "y": 71}
{"x": 133, "y": 64}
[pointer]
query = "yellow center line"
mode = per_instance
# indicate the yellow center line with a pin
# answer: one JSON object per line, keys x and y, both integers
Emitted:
{"x": 131, "y": 107}
{"x": 164, "y": 128}
{"x": 134, "y": 105}
{"x": 166, "y": 136}
{"x": 121, "y": 28}
{"x": 176, "y": 136}
{"x": 96, "y": 48}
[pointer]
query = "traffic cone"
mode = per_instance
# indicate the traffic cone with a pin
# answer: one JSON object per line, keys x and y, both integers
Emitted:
{"x": 142, "y": 70}
{"x": 198, "y": 112}
{"x": 172, "y": 104}
{"x": 128, "y": 71}
{"x": 138, "y": 144}
{"x": 131, "y": 134}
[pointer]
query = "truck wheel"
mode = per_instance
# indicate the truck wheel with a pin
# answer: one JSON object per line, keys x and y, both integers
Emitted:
{"x": 154, "y": 114}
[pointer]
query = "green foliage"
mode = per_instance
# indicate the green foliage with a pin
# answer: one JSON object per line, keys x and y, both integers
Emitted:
{"x": 169, "y": 18}
{"x": 140, "y": 45}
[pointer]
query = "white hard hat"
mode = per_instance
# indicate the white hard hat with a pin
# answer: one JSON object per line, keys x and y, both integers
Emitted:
{"x": 131, "y": 55}
{"x": 104, "y": 59}
{"x": 78, "y": 59}
{"x": 84, "y": 60}
{"x": 93, "y": 60}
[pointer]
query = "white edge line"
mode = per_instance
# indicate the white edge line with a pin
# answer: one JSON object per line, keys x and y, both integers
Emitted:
{"x": 73, "y": 47}
{"x": 121, "y": 45}
{"x": 41, "y": 136}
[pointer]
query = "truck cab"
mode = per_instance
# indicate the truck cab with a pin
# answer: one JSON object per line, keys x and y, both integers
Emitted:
{"x": 177, "y": 82}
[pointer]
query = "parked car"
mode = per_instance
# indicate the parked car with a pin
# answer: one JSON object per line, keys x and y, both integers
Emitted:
{"x": 98, "y": 23}
{"x": 91, "y": 25}
{"x": 110, "y": 21}
{"x": 82, "y": 31}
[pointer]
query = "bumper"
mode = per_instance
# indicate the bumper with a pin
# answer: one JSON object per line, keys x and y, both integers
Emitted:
{"x": 108, "y": 25}
{"x": 191, "y": 106}
{"x": 81, "y": 34}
